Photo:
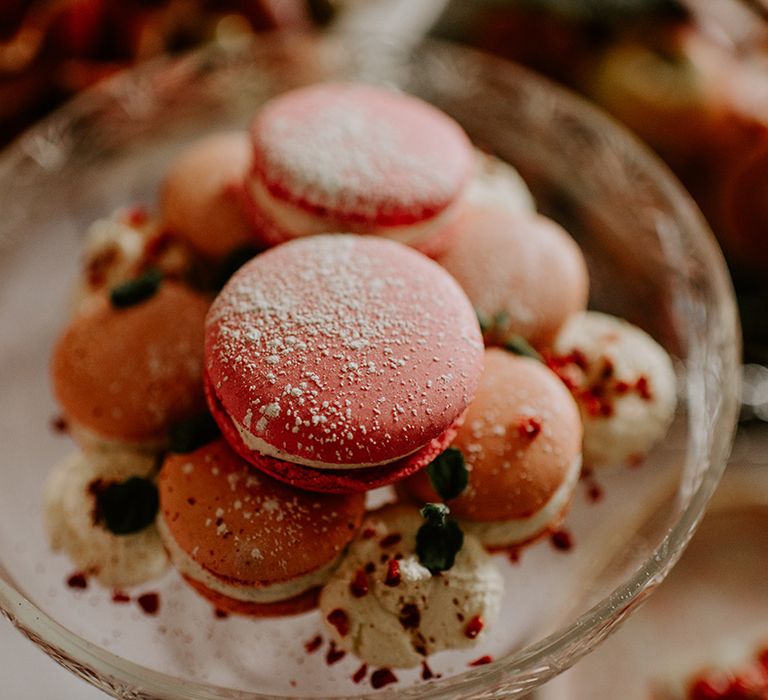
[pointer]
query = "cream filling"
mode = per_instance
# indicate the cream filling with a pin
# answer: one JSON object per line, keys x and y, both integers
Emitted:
{"x": 297, "y": 222}
{"x": 271, "y": 593}
{"x": 504, "y": 533}
{"x": 258, "y": 445}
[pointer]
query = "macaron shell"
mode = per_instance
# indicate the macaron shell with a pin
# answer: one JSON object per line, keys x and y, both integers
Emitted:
{"x": 360, "y": 154}
{"x": 292, "y": 606}
{"x": 200, "y": 201}
{"x": 130, "y": 373}
{"x": 522, "y": 272}
{"x": 247, "y": 529}
{"x": 334, "y": 481}
{"x": 343, "y": 350}
{"x": 511, "y": 474}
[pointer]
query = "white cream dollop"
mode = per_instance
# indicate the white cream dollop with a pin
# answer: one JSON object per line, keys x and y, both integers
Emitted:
{"x": 398, "y": 625}
{"x": 124, "y": 560}
{"x": 616, "y": 356}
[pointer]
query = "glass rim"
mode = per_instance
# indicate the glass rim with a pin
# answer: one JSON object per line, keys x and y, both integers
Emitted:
{"x": 557, "y": 651}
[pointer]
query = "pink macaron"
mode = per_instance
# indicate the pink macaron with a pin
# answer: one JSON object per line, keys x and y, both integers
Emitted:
{"x": 357, "y": 158}
{"x": 200, "y": 200}
{"x": 521, "y": 443}
{"x": 340, "y": 363}
{"x": 523, "y": 273}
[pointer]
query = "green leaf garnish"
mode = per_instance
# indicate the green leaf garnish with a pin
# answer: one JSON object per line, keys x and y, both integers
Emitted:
{"x": 136, "y": 290}
{"x": 439, "y": 539}
{"x": 126, "y": 507}
{"x": 448, "y": 473}
{"x": 483, "y": 320}
{"x": 520, "y": 346}
{"x": 500, "y": 319}
{"x": 188, "y": 435}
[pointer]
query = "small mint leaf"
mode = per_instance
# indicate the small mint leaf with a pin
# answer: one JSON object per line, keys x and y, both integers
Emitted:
{"x": 136, "y": 290}
{"x": 435, "y": 513}
{"x": 520, "y": 346}
{"x": 500, "y": 319}
{"x": 439, "y": 539}
{"x": 448, "y": 474}
{"x": 483, "y": 320}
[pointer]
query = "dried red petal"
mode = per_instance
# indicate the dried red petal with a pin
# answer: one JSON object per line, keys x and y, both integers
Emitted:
{"x": 359, "y": 585}
{"x": 474, "y": 627}
{"x": 393, "y": 573}
{"x": 340, "y": 620}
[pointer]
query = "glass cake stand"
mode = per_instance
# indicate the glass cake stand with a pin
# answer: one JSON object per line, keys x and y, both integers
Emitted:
{"x": 651, "y": 259}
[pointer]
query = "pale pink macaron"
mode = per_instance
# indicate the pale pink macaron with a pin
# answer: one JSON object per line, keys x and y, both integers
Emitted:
{"x": 200, "y": 198}
{"x": 522, "y": 272}
{"x": 250, "y": 544}
{"x": 521, "y": 442}
{"x": 336, "y": 362}
{"x": 357, "y": 158}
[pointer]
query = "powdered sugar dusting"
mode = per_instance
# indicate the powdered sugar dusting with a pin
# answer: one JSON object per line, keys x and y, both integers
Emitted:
{"x": 521, "y": 437}
{"x": 361, "y": 152}
{"x": 247, "y": 528}
{"x": 366, "y": 350}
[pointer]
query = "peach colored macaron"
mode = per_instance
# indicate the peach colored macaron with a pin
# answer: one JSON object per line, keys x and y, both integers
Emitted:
{"x": 358, "y": 158}
{"x": 521, "y": 442}
{"x": 340, "y": 352}
{"x": 200, "y": 201}
{"x": 522, "y": 272}
{"x": 124, "y": 376}
{"x": 249, "y": 543}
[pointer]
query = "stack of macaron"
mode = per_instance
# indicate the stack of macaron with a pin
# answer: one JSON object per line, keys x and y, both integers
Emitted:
{"x": 348, "y": 296}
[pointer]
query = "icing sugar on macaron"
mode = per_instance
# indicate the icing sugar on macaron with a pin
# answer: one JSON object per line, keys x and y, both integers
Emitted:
{"x": 358, "y": 158}
{"x": 522, "y": 272}
{"x": 623, "y": 381}
{"x": 249, "y": 543}
{"x": 340, "y": 352}
{"x": 200, "y": 200}
{"x": 124, "y": 376}
{"x": 521, "y": 442}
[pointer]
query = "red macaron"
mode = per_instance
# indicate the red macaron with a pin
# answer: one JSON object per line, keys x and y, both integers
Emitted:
{"x": 357, "y": 158}
{"x": 340, "y": 363}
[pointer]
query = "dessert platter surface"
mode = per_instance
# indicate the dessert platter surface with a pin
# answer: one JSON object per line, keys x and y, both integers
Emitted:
{"x": 334, "y": 407}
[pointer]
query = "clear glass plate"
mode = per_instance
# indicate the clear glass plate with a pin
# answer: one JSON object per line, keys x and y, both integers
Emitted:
{"x": 651, "y": 259}
{"x": 715, "y": 596}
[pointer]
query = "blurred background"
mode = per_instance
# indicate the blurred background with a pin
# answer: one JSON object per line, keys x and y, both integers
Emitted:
{"x": 689, "y": 77}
